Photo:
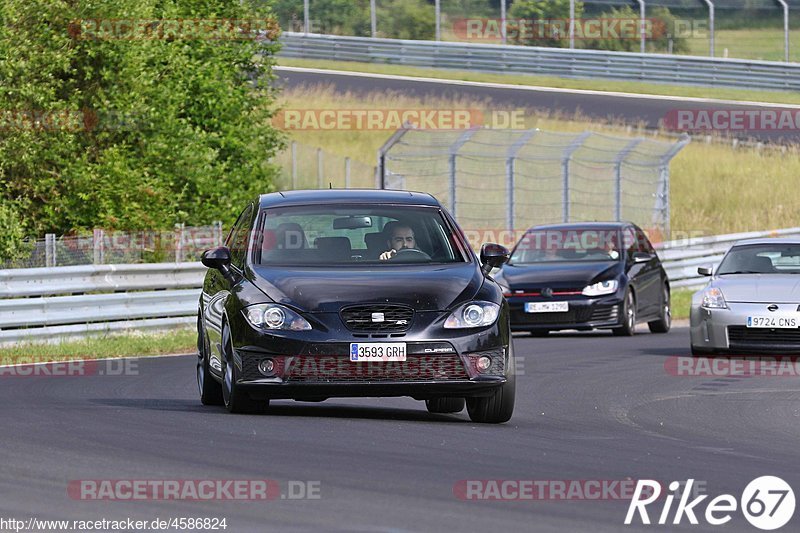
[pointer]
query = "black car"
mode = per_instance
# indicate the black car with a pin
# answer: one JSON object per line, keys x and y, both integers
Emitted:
{"x": 311, "y": 299}
{"x": 586, "y": 276}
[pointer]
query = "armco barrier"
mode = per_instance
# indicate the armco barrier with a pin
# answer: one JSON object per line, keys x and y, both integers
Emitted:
{"x": 658, "y": 68}
{"x": 48, "y": 304}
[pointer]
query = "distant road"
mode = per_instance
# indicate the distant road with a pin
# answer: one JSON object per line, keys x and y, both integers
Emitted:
{"x": 607, "y": 106}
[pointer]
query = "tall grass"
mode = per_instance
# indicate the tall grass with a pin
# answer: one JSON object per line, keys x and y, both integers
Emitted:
{"x": 715, "y": 187}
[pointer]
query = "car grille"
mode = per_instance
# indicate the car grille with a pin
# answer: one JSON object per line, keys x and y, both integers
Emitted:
{"x": 570, "y": 317}
{"x": 361, "y": 318}
{"x": 742, "y": 337}
{"x": 337, "y": 369}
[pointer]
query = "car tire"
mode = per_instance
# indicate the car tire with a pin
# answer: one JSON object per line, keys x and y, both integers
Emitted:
{"x": 664, "y": 322}
{"x": 498, "y": 407}
{"x": 628, "y": 327}
{"x": 209, "y": 388}
{"x": 236, "y": 399}
{"x": 445, "y": 405}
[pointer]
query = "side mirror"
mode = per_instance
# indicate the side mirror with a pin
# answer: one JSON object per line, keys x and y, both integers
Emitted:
{"x": 641, "y": 257}
{"x": 704, "y": 271}
{"x": 493, "y": 256}
{"x": 218, "y": 258}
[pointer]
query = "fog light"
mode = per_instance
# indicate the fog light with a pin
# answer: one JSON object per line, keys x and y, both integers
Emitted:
{"x": 266, "y": 367}
{"x": 483, "y": 363}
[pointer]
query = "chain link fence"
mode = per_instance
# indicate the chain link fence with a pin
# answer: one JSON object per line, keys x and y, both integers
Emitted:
{"x": 120, "y": 247}
{"x": 511, "y": 179}
{"x": 307, "y": 167}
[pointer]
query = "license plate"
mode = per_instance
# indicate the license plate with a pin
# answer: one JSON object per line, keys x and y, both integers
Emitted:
{"x": 546, "y": 307}
{"x": 377, "y": 351}
{"x": 771, "y": 322}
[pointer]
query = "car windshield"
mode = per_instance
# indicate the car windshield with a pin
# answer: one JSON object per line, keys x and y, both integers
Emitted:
{"x": 762, "y": 259}
{"x": 335, "y": 234}
{"x": 562, "y": 245}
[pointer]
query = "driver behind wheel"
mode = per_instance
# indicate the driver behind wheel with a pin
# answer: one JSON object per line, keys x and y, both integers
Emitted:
{"x": 400, "y": 236}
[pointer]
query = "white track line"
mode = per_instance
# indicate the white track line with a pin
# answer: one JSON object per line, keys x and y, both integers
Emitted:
{"x": 538, "y": 89}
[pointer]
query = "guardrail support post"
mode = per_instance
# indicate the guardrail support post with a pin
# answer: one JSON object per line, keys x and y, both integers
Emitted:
{"x": 50, "y": 249}
{"x": 179, "y": 243}
{"x": 642, "y": 25}
{"x": 710, "y": 5}
{"x": 571, "y": 24}
{"x": 217, "y": 233}
{"x": 320, "y": 169}
{"x": 98, "y": 248}
{"x": 503, "y": 31}
{"x": 346, "y": 172}
{"x": 373, "y": 19}
{"x": 305, "y": 17}
{"x": 454, "y": 148}
{"x": 438, "y": 10}
{"x": 380, "y": 171}
{"x": 785, "y": 29}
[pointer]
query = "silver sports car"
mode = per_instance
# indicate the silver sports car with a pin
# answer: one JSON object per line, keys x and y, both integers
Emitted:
{"x": 751, "y": 303}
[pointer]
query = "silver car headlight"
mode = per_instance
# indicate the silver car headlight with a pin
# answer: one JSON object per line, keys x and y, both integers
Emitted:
{"x": 713, "y": 299}
{"x": 473, "y": 315}
{"x": 274, "y": 316}
{"x": 601, "y": 288}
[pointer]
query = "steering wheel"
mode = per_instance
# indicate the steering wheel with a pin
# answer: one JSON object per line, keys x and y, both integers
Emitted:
{"x": 412, "y": 255}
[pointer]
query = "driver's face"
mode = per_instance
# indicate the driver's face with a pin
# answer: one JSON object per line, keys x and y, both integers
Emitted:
{"x": 402, "y": 238}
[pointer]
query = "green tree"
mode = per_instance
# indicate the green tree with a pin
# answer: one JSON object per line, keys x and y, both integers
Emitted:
{"x": 524, "y": 29}
{"x": 11, "y": 232}
{"x": 660, "y": 28}
{"x": 157, "y": 131}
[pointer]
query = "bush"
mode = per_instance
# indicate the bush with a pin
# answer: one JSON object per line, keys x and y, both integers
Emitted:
{"x": 533, "y": 10}
{"x": 158, "y": 131}
{"x": 12, "y": 233}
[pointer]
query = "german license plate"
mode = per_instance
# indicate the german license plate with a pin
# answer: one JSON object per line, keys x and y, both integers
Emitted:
{"x": 772, "y": 322}
{"x": 377, "y": 351}
{"x": 546, "y": 307}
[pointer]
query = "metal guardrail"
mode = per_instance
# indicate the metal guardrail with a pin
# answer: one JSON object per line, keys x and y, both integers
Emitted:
{"x": 51, "y": 304}
{"x": 41, "y": 304}
{"x": 566, "y": 63}
{"x": 681, "y": 258}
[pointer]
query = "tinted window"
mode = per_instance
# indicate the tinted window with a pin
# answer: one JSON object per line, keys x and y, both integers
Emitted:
{"x": 239, "y": 236}
{"x": 762, "y": 259}
{"x": 314, "y": 235}
{"x": 561, "y": 245}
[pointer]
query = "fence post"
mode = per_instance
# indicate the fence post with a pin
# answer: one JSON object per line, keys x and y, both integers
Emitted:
{"x": 179, "y": 243}
{"x": 662, "y": 205}
{"x": 50, "y": 249}
{"x": 294, "y": 165}
{"x": 346, "y": 172}
{"x": 217, "y": 233}
{"x": 511, "y": 158}
{"x": 320, "y": 171}
{"x": 618, "y": 177}
{"x": 454, "y": 148}
{"x": 574, "y": 145}
{"x": 98, "y": 246}
{"x": 380, "y": 171}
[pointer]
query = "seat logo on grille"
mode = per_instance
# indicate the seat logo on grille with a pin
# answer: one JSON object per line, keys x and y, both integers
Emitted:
{"x": 378, "y": 317}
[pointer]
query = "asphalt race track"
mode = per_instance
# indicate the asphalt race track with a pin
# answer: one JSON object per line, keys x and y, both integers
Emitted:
{"x": 590, "y": 406}
{"x": 643, "y": 109}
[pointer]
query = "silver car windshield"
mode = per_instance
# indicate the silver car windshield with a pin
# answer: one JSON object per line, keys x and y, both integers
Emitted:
{"x": 762, "y": 259}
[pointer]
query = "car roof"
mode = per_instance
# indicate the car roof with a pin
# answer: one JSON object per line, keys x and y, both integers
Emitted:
{"x": 582, "y": 225}
{"x": 773, "y": 240}
{"x": 345, "y": 196}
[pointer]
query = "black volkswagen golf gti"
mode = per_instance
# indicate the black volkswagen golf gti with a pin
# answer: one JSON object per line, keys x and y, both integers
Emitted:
{"x": 337, "y": 293}
{"x": 592, "y": 275}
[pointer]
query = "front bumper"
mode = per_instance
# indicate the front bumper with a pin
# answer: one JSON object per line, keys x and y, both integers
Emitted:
{"x": 584, "y": 313}
{"x": 315, "y": 365}
{"x": 726, "y": 329}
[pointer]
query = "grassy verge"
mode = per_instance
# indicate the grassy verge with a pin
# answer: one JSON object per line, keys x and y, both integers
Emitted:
{"x": 551, "y": 81}
{"x": 681, "y": 301}
{"x": 178, "y": 341}
{"x": 715, "y": 188}
{"x": 759, "y": 43}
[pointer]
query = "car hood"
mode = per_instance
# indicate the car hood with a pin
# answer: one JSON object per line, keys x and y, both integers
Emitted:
{"x": 558, "y": 275}
{"x": 317, "y": 290}
{"x": 760, "y": 288}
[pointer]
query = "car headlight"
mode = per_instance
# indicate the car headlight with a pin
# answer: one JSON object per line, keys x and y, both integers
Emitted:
{"x": 473, "y": 315}
{"x": 274, "y": 316}
{"x": 601, "y": 288}
{"x": 713, "y": 299}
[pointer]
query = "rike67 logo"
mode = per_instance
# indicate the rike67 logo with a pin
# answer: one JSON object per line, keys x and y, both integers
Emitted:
{"x": 767, "y": 503}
